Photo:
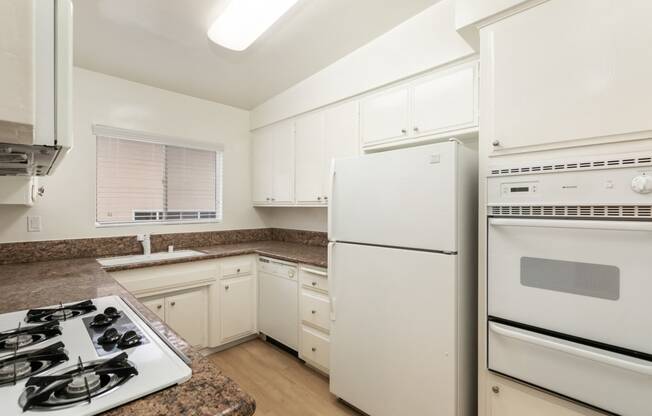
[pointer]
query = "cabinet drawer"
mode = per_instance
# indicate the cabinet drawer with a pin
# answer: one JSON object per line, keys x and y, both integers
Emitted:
{"x": 314, "y": 278}
{"x": 237, "y": 268}
{"x": 315, "y": 347}
{"x": 315, "y": 310}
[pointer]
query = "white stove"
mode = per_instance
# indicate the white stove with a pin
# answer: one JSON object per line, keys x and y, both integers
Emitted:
{"x": 82, "y": 359}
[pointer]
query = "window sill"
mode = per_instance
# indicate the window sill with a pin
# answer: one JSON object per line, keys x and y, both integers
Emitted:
{"x": 136, "y": 224}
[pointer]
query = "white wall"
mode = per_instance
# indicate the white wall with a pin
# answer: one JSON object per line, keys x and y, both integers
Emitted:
{"x": 310, "y": 219}
{"x": 425, "y": 41}
{"x": 68, "y": 209}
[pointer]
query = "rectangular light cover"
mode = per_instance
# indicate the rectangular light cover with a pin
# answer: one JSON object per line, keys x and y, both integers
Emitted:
{"x": 244, "y": 21}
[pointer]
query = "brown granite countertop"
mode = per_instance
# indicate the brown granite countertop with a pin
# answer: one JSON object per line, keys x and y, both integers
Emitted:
{"x": 293, "y": 252}
{"x": 207, "y": 393}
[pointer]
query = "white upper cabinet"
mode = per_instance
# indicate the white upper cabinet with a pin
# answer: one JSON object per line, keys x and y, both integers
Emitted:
{"x": 273, "y": 164}
{"x": 342, "y": 135}
{"x": 283, "y": 173}
{"x": 567, "y": 73}
{"x": 445, "y": 102}
{"x": 310, "y": 158}
{"x": 262, "y": 164}
{"x": 384, "y": 116}
{"x": 437, "y": 105}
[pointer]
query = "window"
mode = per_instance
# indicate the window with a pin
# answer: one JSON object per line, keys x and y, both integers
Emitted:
{"x": 140, "y": 179}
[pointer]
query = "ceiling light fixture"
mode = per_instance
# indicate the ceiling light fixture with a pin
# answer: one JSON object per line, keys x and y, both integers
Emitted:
{"x": 244, "y": 21}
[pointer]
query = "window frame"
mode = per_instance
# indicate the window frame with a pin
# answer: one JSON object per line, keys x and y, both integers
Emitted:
{"x": 146, "y": 137}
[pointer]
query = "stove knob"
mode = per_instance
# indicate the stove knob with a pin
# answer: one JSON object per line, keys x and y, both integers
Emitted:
{"x": 642, "y": 184}
{"x": 129, "y": 339}
{"x": 112, "y": 312}
{"x": 110, "y": 336}
{"x": 100, "y": 320}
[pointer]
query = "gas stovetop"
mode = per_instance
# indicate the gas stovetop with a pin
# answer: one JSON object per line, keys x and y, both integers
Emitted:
{"x": 82, "y": 359}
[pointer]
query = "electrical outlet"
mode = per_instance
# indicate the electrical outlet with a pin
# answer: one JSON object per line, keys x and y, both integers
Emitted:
{"x": 33, "y": 223}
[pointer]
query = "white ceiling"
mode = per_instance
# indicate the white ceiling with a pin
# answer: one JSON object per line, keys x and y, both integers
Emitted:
{"x": 163, "y": 43}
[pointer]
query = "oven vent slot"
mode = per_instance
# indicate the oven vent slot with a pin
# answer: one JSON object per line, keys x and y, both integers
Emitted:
{"x": 628, "y": 161}
{"x": 575, "y": 211}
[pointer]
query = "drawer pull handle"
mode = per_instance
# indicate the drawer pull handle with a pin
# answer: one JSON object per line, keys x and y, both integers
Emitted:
{"x": 314, "y": 283}
{"x": 572, "y": 350}
{"x": 313, "y": 312}
{"x": 173, "y": 303}
{"x": 159, "y": 306}
{"x": 314, "y": 349}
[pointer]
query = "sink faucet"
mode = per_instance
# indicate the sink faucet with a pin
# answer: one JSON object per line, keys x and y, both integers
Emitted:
{"x": 146, "y": 242}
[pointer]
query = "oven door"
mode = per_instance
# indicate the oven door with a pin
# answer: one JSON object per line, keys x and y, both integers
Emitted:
{"x": 587, "y": 279}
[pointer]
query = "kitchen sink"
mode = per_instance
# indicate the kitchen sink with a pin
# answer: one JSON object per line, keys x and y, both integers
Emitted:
{"x": 144, "y": 258}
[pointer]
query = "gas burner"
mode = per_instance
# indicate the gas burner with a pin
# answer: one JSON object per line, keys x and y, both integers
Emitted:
{"x": 63, "y": 312}
{"x": 19, "y": 366}
{"x": 76, "y": 384}
{"x": 27, "y": 336}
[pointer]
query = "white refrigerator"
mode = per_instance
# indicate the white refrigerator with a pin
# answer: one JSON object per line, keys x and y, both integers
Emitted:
{"x": 402, "y": 276}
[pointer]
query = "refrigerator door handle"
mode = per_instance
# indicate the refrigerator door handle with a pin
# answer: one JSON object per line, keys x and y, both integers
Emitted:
{"x": 331, "y": 281}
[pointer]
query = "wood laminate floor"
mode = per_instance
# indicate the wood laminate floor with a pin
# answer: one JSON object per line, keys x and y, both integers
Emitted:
{"x": 280, "y": 383}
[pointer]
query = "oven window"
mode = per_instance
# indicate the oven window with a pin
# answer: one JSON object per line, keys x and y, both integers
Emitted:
{"x": 586, "y": 279}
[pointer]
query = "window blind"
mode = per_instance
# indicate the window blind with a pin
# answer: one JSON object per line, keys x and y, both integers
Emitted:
{"x": 140, "y": 181}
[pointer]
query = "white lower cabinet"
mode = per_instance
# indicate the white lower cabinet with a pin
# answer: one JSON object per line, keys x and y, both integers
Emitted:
{"x": 506, "y": 398}
{"x": 237, "y": 308}
{"x": 185, "y": 312}
{"x": 314, "y": 307}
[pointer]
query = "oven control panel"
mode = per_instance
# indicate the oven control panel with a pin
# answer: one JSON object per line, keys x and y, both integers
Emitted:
{"x": 623, "y": 186}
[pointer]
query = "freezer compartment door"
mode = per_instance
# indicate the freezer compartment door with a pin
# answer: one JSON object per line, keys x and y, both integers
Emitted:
{"x": 402, "y": 198}
{"x": 393, "y": 349}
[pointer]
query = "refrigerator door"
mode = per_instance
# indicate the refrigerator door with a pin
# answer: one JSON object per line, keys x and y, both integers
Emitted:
{"x": 402, "y": 198}
{"x": 393, "y": 349}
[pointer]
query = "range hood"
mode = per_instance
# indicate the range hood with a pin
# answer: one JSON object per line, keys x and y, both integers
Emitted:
{"x": 36, "y": 105}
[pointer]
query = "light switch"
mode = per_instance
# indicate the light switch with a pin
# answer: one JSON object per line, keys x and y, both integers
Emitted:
{"x": 33, "y": 223}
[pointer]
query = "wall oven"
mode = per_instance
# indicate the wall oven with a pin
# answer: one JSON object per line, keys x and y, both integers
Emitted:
{"x": 569, "y": 290}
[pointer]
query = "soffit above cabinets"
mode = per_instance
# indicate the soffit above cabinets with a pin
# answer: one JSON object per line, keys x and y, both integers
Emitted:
{"x": 163, "y": 43}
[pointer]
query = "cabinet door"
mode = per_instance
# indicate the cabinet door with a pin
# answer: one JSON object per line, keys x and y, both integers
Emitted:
{"x": 342, "y": 135}
{"x": 384, "y": 116}
{"x": 565, "y": 71}
{"x": 262, "y": 162}
{"x": 445, "y": 101}
{"x": 237, "y": 307}
{"x": 156, "y": 305}
{"x": 310, "y": 162}
{"x": 186, "y": 313}
{"x": 511, "y": 399}
{"x": 283, "y": 165}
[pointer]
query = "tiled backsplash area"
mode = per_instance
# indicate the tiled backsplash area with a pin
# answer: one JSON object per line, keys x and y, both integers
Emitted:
{"x": 27, "y": 252}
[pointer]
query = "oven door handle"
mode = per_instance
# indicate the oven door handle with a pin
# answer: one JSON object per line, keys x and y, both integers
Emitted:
{"x": 569, "y": 349}
{"x": 587, "y": 224}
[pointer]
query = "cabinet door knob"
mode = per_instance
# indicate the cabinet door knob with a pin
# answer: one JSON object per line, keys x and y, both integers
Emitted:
{"x": 416, "y": 129}
{"x": 237, "y": 270}
{"x": 273, "y": 199}
{"x": 226, "y": 287}
{"x": 325, "y": 198}
{"x": 495, "y": 143}
{"x": 172, "y": 303}
{"x": 313, "y": 312}
{"x": 403, "y": 131}
{"x": 314, "y": 283}
{"x": 319, "y": 198}
{"x": 495, "y": 389}
{"x": 159, "y": 306}
{"x": 268, "y": 199}
{"x": 313, "y": 349}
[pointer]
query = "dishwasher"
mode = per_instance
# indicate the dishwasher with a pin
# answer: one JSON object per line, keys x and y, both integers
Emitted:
{"x": 278, "y": 310}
